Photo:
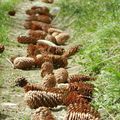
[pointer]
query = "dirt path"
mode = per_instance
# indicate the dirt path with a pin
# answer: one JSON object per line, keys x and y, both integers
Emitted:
{"x": 12, "y": 106}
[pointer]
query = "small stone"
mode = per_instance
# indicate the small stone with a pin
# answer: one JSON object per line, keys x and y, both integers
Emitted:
{"x": 54, "y": 11}
{"x": 9, "y": 105}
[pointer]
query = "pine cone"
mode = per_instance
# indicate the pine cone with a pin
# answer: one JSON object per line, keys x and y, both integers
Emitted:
{"x": 42, "y": 48}
{"x": 59, "y": 61}
{"x": 46, "y": 68}
{"x": 2, "y": 48}
{"x": 55, "y": 50}
{"x": 40, "y": 59}
{"x": 50, "y": 38}
{"x": 52, "y": 30}
{"x": 42, "y": 113}
{"x": 27, "y": 40}
{"x": 48, "y": 1}
{"x": 79, "y": 78}
{"x": 27, "y": 24}
{"x": 85, "y": 89}
{"x": 22, "y": 82}
{"x": 38, "y": 10}
{"x": 12, "y": 13}
{"x": 24, "y": 63}
{"x": 33, "y": 50}
{"x": 35, "y": 99}
{"x": 61, "y": 75}
{"x": 49, "y": 81}
{"x": 35, "y": 25}
{"x": 40, "y": 18}
{"x": 62, "y": 38}
{"x": 71, "y": 51}
{"x": 73, "y": 97}
{"x": 80, "y": 111}
{"x": 38, "y": 34}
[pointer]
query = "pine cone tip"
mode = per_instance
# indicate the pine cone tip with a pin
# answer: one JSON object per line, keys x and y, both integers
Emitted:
{"x": 21, "y": 82}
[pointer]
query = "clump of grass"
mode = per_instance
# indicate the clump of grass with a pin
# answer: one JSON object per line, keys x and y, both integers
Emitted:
{"x": 95, "y": 25}
{"x": 5, "y": 20}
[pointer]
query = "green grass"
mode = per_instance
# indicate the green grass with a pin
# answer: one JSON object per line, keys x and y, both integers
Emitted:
{"x": 5, "y": 20}
{"x": 96, "y": 25}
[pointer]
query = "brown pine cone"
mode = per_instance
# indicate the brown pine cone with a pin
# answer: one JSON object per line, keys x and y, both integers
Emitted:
{"x": 24, "y": 63}
{"x": 71, "y": 51}
{"x": 35, "y": 99}
{"x": 79, "y": 78}
{"x": 42, "y": 113}
{"x": 35, "y": 25}
{"x": 40, "y": 18}
{"x": 80, "y": 111}
{"x": 59, "y": 61}
{"x": 46, "y": 68}
{"x": 73, "y": 97}
{"x": 55, "y": 50}
{"x": 26, "y": 40}
{"x": 12, "y": 13}
{"x": 42, "y": 48}
{"x": 38, "y": 10}
{"x": 82, "y": 88}
{"x": 62, "y": 38}
{"x": 52, "y": 30}
{"x": 61, "y": 75}
{"x": 38, "y": 34}
{"x": 49, "y": 81}
{"x": 22, "y": 82}
{"x": 33, "y": 50}
{"x": 27, "y": 24}
{"x": 50, "y": 38}
{"x": 43, "y": 9}
{"x": 2, "y": 48}
{"x": 48, "y": 1}
{"x": 40, "y": 59}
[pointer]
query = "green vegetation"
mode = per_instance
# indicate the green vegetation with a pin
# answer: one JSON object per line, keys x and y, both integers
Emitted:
{"x": 5, "y": 20}
{"x": 96, "y": 25}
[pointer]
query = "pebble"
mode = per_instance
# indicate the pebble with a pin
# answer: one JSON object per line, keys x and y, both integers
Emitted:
{"x": 9, "y": 105}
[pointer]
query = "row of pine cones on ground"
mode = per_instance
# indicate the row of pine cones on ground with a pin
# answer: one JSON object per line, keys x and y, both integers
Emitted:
{"x": 43, "y": 40}
{"x": 44, "y": 52}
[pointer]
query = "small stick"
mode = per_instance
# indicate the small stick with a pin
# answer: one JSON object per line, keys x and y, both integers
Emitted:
{"x": 10, "y": 62}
